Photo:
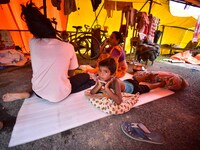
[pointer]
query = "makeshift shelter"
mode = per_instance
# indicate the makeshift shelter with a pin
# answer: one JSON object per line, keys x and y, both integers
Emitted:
{"x": 177, "y": 29}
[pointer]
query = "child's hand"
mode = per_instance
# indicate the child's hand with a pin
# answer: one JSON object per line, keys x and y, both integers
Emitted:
{"x": 101, "y": 84}
{"x": 108, "y": 83}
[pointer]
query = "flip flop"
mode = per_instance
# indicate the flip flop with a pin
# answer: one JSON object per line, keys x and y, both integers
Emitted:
{"x": 139, "y": 131}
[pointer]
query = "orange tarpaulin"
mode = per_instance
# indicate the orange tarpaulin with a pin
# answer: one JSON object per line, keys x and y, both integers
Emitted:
{"x": 11, "y": 20}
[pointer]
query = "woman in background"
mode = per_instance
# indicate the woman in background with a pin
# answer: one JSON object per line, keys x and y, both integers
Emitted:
{"x": 114, "y": 50}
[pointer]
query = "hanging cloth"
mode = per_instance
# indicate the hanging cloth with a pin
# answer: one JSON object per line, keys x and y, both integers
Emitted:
{"x": 122, "y": 5}
{"x": 56, "y": 3}
{"x": 142, "y": 24}
{"x": 196, "y": 31}
{"x": 132, "y": 17}
{"x": 95, "y": 4}
{"x": 69, "y": 6}
{"x": 109, "y": 6}
{"x": 153, "y": 23}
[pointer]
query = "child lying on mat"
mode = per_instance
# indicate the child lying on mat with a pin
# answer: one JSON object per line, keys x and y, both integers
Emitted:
{"x": 109, "y": 84}
{"x": 172, "y": 81}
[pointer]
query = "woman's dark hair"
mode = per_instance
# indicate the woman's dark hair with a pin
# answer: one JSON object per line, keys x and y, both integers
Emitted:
{"x": 118, "y": 36}
{"x": 37, "y": 23}
{"x": 110, "y": 63}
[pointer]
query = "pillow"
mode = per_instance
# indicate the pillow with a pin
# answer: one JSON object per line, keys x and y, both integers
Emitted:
{"x": 107, "y": 105}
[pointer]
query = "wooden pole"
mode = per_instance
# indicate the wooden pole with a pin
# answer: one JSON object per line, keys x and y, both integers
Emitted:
{"x": 97, "y": 15}
{"x": 150, "y": 5}
{"x": 45, "y": 8}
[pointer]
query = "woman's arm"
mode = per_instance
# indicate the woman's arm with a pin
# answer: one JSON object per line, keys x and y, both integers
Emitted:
{"x": 102, "y": 46}
{"x": 116, "y": 95}
{"x": 71, "y": 73}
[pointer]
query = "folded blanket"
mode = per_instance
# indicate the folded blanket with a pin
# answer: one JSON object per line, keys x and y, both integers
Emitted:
{"x": 12, "y": 57}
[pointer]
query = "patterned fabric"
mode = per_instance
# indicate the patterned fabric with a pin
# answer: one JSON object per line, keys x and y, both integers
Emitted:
{"x": 107, "y": 105}
{"x": 142, "y": 22}
{"x": 154, "y": 22}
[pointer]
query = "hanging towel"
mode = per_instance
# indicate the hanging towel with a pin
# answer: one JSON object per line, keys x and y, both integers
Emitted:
{"x": 69, "y": 6}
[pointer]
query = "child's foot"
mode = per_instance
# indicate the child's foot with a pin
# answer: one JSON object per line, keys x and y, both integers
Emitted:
{"x": 9, "y": 97}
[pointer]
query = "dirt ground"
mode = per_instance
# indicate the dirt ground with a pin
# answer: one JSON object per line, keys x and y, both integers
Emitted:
{"x": 176, "y": 117}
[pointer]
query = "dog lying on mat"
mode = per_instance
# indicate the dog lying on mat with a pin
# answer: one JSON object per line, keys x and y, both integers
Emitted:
{"x": 147, "y": 52}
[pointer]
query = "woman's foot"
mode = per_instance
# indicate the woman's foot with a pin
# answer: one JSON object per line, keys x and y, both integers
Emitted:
{"x": 9, "y": 97}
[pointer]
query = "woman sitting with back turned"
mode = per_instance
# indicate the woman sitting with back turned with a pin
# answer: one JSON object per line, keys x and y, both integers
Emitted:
{"x": 115, "y": 51}
{"x": 53, "y": 61}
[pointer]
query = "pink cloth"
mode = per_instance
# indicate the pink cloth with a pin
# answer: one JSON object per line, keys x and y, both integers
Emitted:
{"x": 196, "y": 31}
{"x": 197, "y": 57}
{"x": 187, "y": 57}
{"x": 51, "y": 60}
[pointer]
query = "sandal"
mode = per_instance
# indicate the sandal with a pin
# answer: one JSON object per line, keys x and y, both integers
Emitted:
{"x": 138, "y": 131}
